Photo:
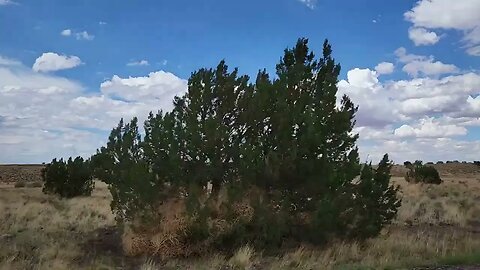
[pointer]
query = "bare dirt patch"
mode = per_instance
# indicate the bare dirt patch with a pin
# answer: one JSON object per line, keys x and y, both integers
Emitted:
{"x": 16, "y": 173}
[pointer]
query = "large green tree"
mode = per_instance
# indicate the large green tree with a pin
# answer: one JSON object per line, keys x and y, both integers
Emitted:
{"x": 299, "y": 139}
{"x": 284, "y": 143}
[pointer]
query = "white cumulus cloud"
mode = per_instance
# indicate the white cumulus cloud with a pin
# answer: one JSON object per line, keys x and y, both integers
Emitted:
{"x": 385, "y": 68}
{"x": 428, "y": 68}
{"x": 66, "y": 32}
{"x": 161, "y": 86}
{"x": 421, "y": 36}
{"x": 51, "y": 61}
{"x": 463, "y": 16}
{"x": 416, "y": 65}
{"x": 430, "y": 128}
{"x": 44, "y": 115}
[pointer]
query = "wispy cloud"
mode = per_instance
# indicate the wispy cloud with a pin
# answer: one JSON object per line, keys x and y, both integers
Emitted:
{"x": 4, "y": 61}
{"x": 84, "y": 36}
{"x": 138, "y": 63}
{"x": 311, "y": 4}
{"x": 7, "y": 2}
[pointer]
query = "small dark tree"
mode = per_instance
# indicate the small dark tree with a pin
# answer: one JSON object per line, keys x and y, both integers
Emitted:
{"x": 377, "y": 202}
{"x": 68, "y": 179}
{"x": 420, "y": 173}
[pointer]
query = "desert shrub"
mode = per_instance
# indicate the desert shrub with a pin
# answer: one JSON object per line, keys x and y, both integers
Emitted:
{"x": 252, "y": 163}
{"x": 476, "y": 162}
{"x": 439, "y": 162}
{"x": 20, "y": 184}
{"x": 407, "y": 163}
{"x": 68, "y": 179}
{"x": 420, "y": 173}
{"x": 430, "y": 163}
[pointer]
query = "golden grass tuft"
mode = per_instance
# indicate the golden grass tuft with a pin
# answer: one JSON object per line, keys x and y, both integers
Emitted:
{"x": 243, "y": 258}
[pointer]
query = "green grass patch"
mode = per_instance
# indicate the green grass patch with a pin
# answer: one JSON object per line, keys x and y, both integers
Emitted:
{"x": 464, "y": 259}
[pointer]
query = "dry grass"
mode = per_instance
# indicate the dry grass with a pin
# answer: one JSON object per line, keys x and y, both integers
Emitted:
{"x": 167, "y": 238}
{"x": 242, "y": 259}
{"x": 399, "y": 249}
{"x": 43, "y": 232}
{"x": 435, "y": 224}
{"x": 456, "y": 202}
{"x": 149, "y": 264}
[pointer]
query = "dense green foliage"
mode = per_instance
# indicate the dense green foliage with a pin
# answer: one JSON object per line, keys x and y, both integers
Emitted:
{"x": 122, "y": 165}
{"x": 377, "y": 200}
{"x": 283, "y": 144}
{"x": 68, "y": 179}
{"x": 419, "y": 173}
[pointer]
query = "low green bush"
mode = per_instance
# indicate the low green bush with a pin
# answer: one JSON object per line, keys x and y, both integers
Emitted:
{"x": 68, "y": 179}
{"x": 419, "y": 173}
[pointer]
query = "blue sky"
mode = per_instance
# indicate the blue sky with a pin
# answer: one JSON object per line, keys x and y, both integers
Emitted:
{"x": 93, "y": 52}
{"x": 192, "y": 34}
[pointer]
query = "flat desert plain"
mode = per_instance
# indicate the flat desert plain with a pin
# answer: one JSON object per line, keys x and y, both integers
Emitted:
{"x": 437, "y": 227}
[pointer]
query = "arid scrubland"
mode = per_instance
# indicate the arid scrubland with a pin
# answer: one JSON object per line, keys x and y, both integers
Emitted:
{"x": 436, "y": 225}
